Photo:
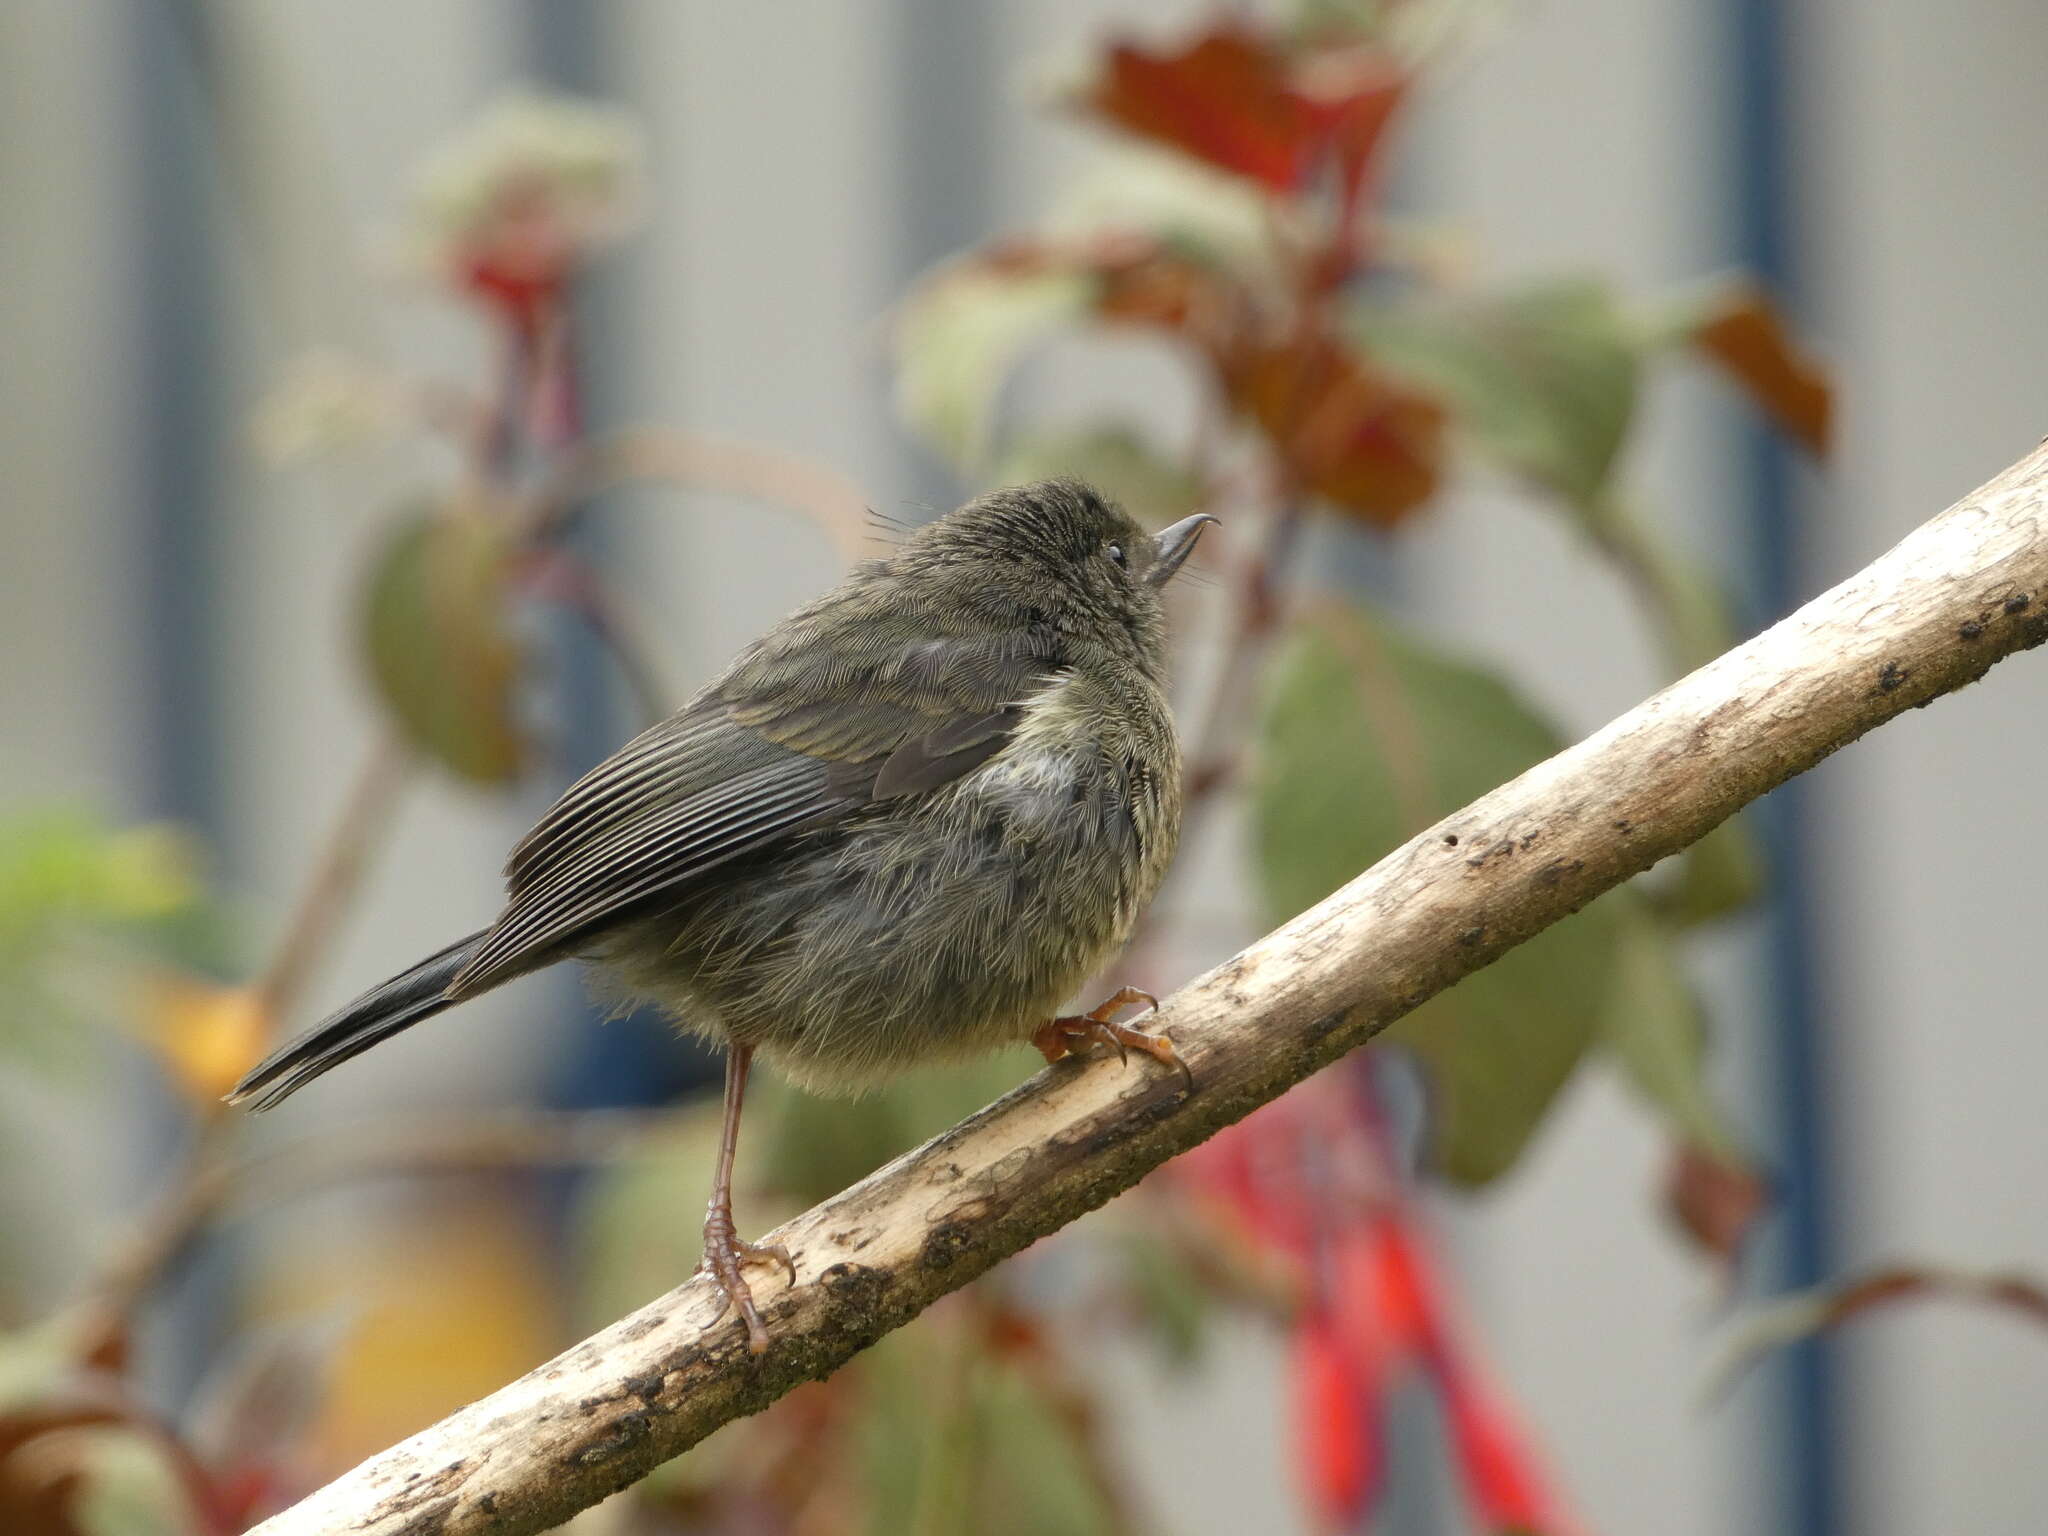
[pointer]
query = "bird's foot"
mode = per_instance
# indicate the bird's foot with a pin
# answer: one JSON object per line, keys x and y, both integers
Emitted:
{"x": 725, "y": 1252}
{"x": 1072, "y": 1034}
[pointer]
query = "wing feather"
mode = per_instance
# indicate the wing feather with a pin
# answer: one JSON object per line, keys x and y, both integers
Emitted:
{"x": 756, "y": 759}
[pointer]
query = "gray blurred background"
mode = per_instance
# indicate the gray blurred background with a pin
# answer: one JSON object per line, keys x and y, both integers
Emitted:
{"x": 175, "y": 616}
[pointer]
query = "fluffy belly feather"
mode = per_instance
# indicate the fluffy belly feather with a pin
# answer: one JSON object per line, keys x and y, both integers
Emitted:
{"x": 893, "y": 942}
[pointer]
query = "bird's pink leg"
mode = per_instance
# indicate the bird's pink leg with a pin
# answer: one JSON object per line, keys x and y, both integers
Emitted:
{"x": 724, "y": 1250}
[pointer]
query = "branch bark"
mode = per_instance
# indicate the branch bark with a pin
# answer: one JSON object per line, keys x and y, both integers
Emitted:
{"x": 1935, "y": 613}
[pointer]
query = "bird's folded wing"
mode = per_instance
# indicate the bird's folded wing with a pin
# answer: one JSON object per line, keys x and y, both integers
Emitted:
{"x": 755, "y": 760}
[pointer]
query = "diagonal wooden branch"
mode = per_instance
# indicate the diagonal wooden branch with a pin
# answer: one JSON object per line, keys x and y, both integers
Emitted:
{"x": 1964, "y": 591}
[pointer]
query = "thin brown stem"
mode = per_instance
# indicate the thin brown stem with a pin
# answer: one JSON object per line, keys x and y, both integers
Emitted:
{"x": 475, "y": 1142}
{"x": 1683, "y": 607}
{"x": 216, "y": 1181}
{"x": 191, "y": 1197}
{"x": 335, "y": 880}
{"x": 568, "y": 578}
{"x": 691, "y": 459}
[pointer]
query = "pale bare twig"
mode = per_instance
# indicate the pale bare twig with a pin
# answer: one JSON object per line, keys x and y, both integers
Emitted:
{"x": 1935, "y": 613}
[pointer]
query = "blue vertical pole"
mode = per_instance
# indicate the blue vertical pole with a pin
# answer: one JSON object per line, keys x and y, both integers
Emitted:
{"x": 946, "y": 57}
{"x": 1764, "y": 208}
{"x": 176, "y": 399}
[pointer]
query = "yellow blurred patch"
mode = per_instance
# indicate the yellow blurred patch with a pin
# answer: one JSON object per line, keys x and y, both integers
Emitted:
{"x": 207, "y": 1035}
{"x": 448, "y": 1300}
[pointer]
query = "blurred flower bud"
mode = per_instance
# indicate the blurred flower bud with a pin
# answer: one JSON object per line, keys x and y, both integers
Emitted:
{"x": 508, "y": 209}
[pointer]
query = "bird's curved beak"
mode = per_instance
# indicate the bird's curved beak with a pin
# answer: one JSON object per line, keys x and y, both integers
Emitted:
{"x": 1172, "y": 545}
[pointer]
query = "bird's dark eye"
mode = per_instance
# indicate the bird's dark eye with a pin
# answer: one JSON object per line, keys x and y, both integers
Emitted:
{"x": 1116, "y": 553}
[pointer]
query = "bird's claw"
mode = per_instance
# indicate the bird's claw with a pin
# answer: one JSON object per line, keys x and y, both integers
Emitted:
{"x": 1070, "y": 1035}
{"x": 725, "y": 1254}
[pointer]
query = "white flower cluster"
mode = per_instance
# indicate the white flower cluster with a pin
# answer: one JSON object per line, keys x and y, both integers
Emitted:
{"x": 328, "y": 402}
{"x": 531, "y": 177}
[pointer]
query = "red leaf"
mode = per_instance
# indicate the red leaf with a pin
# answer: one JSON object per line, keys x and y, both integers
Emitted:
{"x": 1714, "y": 1200}
{"x": 1746, "y": 336}
{"x": 1338, "y": 1425}
{"x": 1305, "y": 1174}
{"x": 1403, "y": 1293}
{"x": 1368, "y": 445}
{"x": 1254, "y": 1167}
{"x": 1351, "y": 94}
{"x": 1224, "y": 98}
{"x": 1378, "y": 1338}
{"x": 1240, "y": 101}
{"x": 1500, "y": 1471}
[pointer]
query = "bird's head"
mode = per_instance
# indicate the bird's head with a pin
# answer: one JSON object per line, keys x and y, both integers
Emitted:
{"x": 1056, "y": 553}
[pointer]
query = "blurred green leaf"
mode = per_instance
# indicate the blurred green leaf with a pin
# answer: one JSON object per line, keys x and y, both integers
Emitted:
{"x": 811, "y": 1148}
{"x": 1367, "y": 738}
{"x": 1543, "y": 380}
{"x": 957, "y": 1437}
{"x": 1036, "y": 1477}
{"x": 63, "y": 861}
{"x": 639, "y": 1218}
{"x": 1687, "y": 603}
{"x": 437, "y": 637}
{"x": 1653, "y": 1026}
{"x": 1116, "y": 460}
{"x": 1167, "y": 1295}
{"x": 35, "y": 1363}
{"x": 83, "y": 905}
{"x": 917, "y": 1430}
{"x": 69, "y": 1463}
{"x": 1203, "y": 215}
{"x": 1721, "y": 873}
{"x": 126, "y": 1485}
{"x": 958, "y": 337}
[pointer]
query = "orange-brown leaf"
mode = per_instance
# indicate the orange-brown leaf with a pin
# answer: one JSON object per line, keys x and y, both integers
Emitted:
{"x": 1713, "y": 1199}
{"x": 1745, "y": 335}
{"x": 1153, "y": 287}
{"x": 1361, "y": 441}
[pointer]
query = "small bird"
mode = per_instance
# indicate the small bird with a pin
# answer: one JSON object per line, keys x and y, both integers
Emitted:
{"x": 899, "y": 829}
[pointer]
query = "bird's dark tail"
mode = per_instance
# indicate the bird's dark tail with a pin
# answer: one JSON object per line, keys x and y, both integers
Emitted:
{"x": 377, "y": 1015}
